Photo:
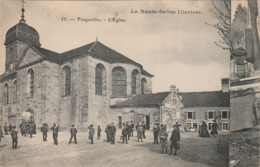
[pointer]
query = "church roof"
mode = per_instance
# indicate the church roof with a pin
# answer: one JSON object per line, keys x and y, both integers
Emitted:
{"x": 144, "y": 100}
{"x": 99, "y": 50}
{"x": 143, "y": 72}
{"x": 22, "y": 32}
{"x": 210, "y": 99}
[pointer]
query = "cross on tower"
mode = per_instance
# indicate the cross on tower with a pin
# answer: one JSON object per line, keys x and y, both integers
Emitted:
{"x": 22, "y": 17}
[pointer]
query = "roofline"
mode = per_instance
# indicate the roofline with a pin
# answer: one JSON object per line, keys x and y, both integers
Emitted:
{"x": 121, "y": 106}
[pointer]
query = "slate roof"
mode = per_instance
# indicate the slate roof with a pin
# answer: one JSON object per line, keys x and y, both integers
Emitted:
{"x": 210, "y": 99}
{"x": 48, "y": 54}
{"x": 143, "y": 72}
{"x": 144, "y": 100}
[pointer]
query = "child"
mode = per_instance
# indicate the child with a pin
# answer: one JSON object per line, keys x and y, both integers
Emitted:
{"x": 98, "y": 133}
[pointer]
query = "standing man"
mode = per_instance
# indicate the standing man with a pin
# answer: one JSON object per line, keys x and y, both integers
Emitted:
{"x": 113, "y": 133}
{"x": 10, "y": 128}
{"x": 91, "y": 133}
{"x": 14, "y": 135}
{"x": 139, "y": 132}
{"x": 55, "y": 133}
{"x": 73, "y": 133}
{"x": 132, "y": 126}
{"x": 31, "y": 128}
{"x": 108, "y": 133}
{"x": 175, "y": 139}
{"x": 156, "y": 130}
{"x": 214, "y": 130}
{"x": 125, "y": 134}
{"x": 128, "y": 130}
{"x": 1, "y": 133}
{"x": 144, "y": 128}
{"x": 6, "y": 129}
{"x": 44, "y": 131}
{"x": 163, "y": 139}
{"x": 98, "y": 133}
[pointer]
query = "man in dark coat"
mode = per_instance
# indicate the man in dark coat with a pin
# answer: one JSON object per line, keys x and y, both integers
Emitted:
{"x": 1, "y": 133}
{"x": 73, "y": 134}
{"x": 128, "y": 128}
{"x": 14, "y": 135}
{"x": 10, "y": 128}
{"x": 44, "y": 131}
{"x": 163, "y": 139}
{"x": 91, "y": 133}
{"x": 175, "y": 139}
{"x": 125, "y": 134}
{"x": 214, "y": 130}
{"x": 112, "y": 132}
{"x": 6, "y": 129}
{"x": 107, "y": 130}
{"x": 98, "y": 133}
{"x": 55, "y": 133}
{"x": 144, "y": 128}
{"x": 156, "y": 130}
{"x": 31, "y": 128}
{"x": 132, "y": 126}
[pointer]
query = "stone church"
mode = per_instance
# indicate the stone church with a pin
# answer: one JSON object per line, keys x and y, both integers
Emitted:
{"x": 79, "y": 86}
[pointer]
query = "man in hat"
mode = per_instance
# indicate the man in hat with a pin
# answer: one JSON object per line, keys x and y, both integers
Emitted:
{"x": 112, "y": 132}
{"x": 175, "y": 139}
{"x": 55, "y": 133}
{"x": 125, "y": 134}
{"x": 107, "y": 130}
{"x": 156, "y": 130}
{"x": 163, "y": 139}
{"x": 10, "y": 128}
{"x": 6, "y": 129}
{"x": 73, "y": 133}
{"x": 240, "y": 68}
{"x": 98, "y": 133}
{"x": 132, "y": 126}
{"x": 139, "y": 132}
{"x": 14, "y": 135}
{"x": 91, "y": 133}
{"x": 31, "y": 129}
{"x": 44, "y": 131}
{"x": 128, "y": 128}
{"x": 214, "y": 130}
{"x": 144, "y": 128}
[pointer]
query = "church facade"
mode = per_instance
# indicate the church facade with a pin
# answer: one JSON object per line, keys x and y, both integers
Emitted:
{"x": 75, "y": 87}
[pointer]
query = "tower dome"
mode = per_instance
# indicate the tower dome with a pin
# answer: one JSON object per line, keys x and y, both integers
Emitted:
{"x": 22, "y": 32}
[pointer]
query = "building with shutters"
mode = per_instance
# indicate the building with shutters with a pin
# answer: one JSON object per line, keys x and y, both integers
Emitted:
{"x": 163, "y": 108}
{"x": 207, "y": 106}
{"x": 74, "y": 87}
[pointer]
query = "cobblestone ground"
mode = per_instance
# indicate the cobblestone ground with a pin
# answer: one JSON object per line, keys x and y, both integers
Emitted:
{"x": 195, "y": 152}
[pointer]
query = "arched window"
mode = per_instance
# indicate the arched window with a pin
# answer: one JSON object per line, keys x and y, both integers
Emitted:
{"x": 6, "y": 94}
{"x": 67, "y": 80}
{"x": 143, "y": 85}
{"x": 14, "y": 91}
{"x": 134, "y": 81}
{"x": 100, "y": 79}
{"x": 118, "y": 82}
{"x": 31, "y": 82}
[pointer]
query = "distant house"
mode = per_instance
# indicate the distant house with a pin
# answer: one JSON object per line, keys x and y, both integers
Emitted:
{"x": 206, "y": 106}
{"x": 162, "y": 107}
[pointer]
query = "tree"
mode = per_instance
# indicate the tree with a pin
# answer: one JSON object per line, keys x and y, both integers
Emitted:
{"x": 223, "y": 26}
{"x": 253, "y": 8}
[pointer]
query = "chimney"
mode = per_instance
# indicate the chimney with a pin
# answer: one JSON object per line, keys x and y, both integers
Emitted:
{"x": 173, "y": 88}
{"x": 225, "y": 84}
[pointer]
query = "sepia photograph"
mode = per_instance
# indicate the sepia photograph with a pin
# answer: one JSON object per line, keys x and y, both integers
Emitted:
{"x": 129, "y": 83}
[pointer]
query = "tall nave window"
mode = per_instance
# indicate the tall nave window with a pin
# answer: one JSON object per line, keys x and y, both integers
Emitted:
{"x": 100, "y": 79}
{"x": 143, "y": 86}
{"x": 67, "y": 80}
{"x": 14, "y": 91}
{"x": 118, "y": 82}
{"x": 134, "y": 81}
{"x": 30, "y": 75}
{"x": 6, "y": 94}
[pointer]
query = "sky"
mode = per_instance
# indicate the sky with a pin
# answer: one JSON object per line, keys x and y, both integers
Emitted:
{"x": 178, "y": 49}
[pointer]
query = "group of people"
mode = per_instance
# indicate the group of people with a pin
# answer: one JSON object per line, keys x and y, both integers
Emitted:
{"x": 127, "y": 132}
{"x": 13, "y": 132}
{"x": 203, "y": 129}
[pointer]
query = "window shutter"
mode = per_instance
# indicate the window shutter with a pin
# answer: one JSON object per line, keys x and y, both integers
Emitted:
{"x": 186, "y": 115}
{"x": 215, "y": 115}
{"x": 228, "y": 114}
{"x": 206, "y": 115}
{"x": 219, "y": 115}
{"x": 194, "y": 115}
